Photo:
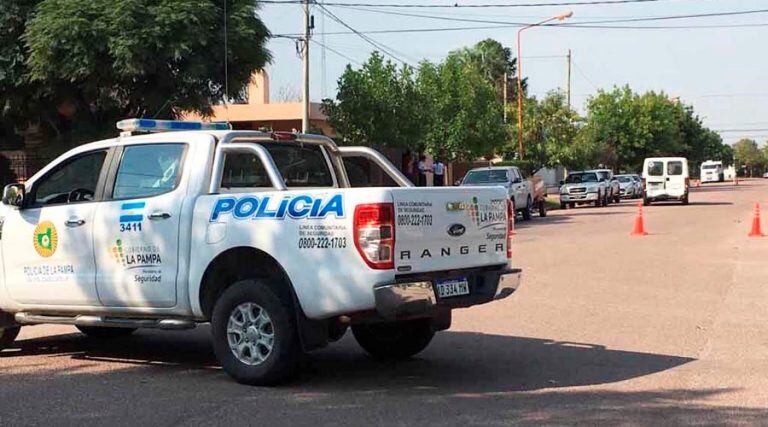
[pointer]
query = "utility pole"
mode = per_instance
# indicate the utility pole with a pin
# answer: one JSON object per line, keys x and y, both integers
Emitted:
{"x": 569, "y": 79}
{"x": 505, "y": 97}
{"x": 305, "y": 61}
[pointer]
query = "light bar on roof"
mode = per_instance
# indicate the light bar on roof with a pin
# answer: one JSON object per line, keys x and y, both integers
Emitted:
{"x": 151, "y": 125}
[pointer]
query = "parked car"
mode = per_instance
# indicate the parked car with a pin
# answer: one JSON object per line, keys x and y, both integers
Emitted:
{"x": 666, "y": 178}
{"x": 639, "y": 180}
{"x": 765, "y": 175}
{"x": 614, "y": 190}
{"x": 583, "y": 187}
{"x": 526, "y": 195}
{"x": 712, "y": 171}
{"x": 259, "y": 234}
{"x": 630, "y": 187}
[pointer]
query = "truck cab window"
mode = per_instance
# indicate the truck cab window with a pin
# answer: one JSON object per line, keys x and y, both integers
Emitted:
{"x": 301, "y": 165}
{"x": 244, "y": 170}
{"x": 73, "y": 181}
{"x": 148, "y": 170}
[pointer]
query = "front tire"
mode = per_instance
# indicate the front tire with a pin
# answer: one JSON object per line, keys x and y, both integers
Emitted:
{"x": 104, "y": 332}
{"x": 394, "y": 340}
{"x": 542, "y": 208}
{"x": 8, "y": 336}
{"x": 254, "y": 334}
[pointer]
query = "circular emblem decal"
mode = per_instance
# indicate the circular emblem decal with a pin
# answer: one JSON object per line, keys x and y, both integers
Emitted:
{"x": 456, "y": 230}
{"x": 45, "y": 239}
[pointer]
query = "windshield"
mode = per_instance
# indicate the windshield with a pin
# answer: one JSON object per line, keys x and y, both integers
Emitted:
{"x": 710, "y": 166}
{"x": 578, "y": 178}
{"x": 486, "y": 176}
{"x": 625, "y": 179}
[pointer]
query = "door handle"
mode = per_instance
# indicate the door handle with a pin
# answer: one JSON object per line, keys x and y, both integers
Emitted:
{"x": 159, "y": 215}
{"x": 74, "y": 222}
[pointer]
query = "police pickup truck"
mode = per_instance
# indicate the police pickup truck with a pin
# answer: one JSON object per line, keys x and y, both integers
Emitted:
{"x": 260, "y": 234}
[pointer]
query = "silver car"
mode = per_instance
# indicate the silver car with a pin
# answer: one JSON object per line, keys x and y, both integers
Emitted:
{"x": 629, "y": 187}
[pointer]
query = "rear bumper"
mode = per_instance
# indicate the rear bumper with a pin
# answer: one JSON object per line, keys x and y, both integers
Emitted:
{"x": 665, "y": 196}
{"x": 416, "y": 296}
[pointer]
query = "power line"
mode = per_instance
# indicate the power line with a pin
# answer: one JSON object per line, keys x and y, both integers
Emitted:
{"x": 584, "y": 24}
{"x": 325, "y": 46}
{"x": 584, "y": 75}
{"x": 742, "y": 130}
{"x": 474, "y": 6}
{"x": 494, "y": 27}
{"x": 372, "y": 42}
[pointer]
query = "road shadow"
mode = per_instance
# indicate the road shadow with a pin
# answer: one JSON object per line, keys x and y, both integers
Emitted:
{"x": 462, "y": 378}
{"x": 455, "y": 361}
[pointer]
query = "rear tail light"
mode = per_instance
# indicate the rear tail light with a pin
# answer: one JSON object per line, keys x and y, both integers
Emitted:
{"x": 510, "y": 226}
{"x": 374, "y": 234}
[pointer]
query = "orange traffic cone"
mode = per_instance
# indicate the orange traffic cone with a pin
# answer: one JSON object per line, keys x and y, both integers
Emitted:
{"x": 639, "y": 229}
{"x": 756, "y": 231}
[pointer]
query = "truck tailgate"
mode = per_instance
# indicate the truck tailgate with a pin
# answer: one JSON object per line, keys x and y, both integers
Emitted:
{"x": 449, "y": 228}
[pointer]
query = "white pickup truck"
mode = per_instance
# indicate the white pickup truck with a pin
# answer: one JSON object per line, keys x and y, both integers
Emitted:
{"x": 257, "y": 233}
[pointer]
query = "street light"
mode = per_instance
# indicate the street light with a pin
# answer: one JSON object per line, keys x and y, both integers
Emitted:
{"x": 520, "y": 78}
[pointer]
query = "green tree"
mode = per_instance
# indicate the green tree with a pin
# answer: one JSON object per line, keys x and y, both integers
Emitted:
{"x": 463, "y": 113}
{"x": 494, "y": 61}
{"x": 91, "y": 62}
{"x": 549, "y": 133}
{"x": 749, "y": 156}
{"x": 19, "y": 100}
{"x": 623, "y": 128}
{"x": 377, "y": 105}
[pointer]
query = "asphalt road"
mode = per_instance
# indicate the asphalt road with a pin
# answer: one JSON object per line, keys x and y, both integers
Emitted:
{"x": 670, "y": 328}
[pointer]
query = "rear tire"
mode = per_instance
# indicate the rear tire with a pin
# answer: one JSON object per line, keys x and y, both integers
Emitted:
{"x": 563, "y": 205}
{"x": 685, "y": 199}
{"x": 8, "y": 336}
{"x": 528, "y": 211}
{"x": 646, "y": 201}
{"x": 248, "y": 318}
{"x": 542, "y": 208}
{"x": 394, "y": 340}
{"x": 104, "y": 332}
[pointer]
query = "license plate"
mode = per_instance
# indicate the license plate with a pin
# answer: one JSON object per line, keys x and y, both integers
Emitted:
{"x": 452, "y": 287}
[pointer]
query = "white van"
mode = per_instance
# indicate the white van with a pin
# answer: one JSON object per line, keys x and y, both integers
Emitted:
{"x": 665, "y": 178}
{"x": 712, "y": 171}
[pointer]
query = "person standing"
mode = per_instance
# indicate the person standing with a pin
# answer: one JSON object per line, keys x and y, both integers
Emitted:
{"x": 439, "y": 170}
{"x": 423, "y": 169}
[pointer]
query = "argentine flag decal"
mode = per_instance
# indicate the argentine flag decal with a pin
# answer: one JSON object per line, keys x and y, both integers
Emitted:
{"x": 132, "y": 212}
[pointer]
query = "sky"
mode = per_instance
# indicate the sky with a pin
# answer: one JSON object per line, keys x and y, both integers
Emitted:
{"x": 722, "y": 72}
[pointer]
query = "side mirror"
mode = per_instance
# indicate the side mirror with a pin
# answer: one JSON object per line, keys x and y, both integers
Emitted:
{"x": 562, "y": 182}
{"x": 457, "y": 182}
{"x": 13, "y": 195}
